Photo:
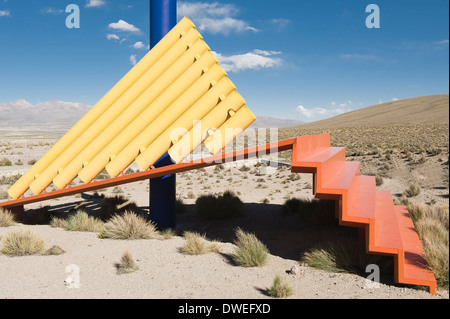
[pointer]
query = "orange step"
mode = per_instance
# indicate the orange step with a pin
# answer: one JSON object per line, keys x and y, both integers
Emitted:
{"x": 363, "y": 205}
{"x": 414, "y": 265}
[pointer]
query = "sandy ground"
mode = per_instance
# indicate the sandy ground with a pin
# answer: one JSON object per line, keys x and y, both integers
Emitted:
{"x": 166, "y": 273}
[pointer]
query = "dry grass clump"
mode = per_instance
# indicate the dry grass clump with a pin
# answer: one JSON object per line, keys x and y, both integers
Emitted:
{"x": 6, "y": 218}
{"x": 197, "y": 244}
{"x": 280, "y": 288}
{"x": 310, "y": 210}
{"x": 412, "y": 191}
{"x": 432, "y": 226}
{"x": 344, "y": 255}
{"x": 127, "y": 264}
{"x": 22, "y": 243}
{"x": 223, "y": 206}
{"x": 129, "y": 226}
{"x": 5, "y": 162}
{"x": 81, "y": 221}
{"x": 250, "y": 252}
{"x": 117, "y": 205}
{"x": 3, "y": 194}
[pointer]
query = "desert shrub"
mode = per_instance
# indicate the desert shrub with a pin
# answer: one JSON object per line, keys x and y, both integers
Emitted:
{"x": 167, "y": 233}
{"x": 250, "y": 252}
{"x": 117, "y": 205}
{"x": 197, "y": 244}
{"x": 379, "y": 180}
{"x": 280, "y": 288}
{"x": 310, "y": 210}
{"x": 81, "y": 221}
{"x": 18, "y": 163}
{"x": 129, "y": 226}
{"x": 179, "y": 206}
{"x": 244, "y": 169}
{"x": 9, "y": 180}
{"x": 412, "y": 191}
{"x": 6, "y": 218}
{"x": 223, "y": 206}
{"x": 57, "y": 222}
{"x": 31, "y": 162}
{"x": 22, "y": 243}
{"x": 344, "y": 255}
{"x": 39, "y": 216}
{"x": 129, "y": 171}
{"x": 5, "y": 162}
{"x": 3, "y": 194}
{"x": 103, "y": 175}
{"x": 127, "y": 264}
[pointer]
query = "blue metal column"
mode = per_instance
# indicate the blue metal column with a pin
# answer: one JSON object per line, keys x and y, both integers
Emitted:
{"x": 163, "y": 17}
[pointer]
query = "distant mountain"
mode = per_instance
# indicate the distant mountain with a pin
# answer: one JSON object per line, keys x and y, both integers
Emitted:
{"x": 433, "y": 109}
{"x": 271, "y": 122}
{"x": 53, "y": 113}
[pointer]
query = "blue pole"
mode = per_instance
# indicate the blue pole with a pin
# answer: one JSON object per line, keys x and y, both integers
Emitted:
{"x": 163, "y": 17}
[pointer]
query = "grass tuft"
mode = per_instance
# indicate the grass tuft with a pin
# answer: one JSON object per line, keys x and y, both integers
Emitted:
{"x": 412, "y": 191}
{"x": 127, "y": 264}
{"x": 250, "y": 252}
{"x": 224, "y": 206}
{"x": 344, "y": 255}
{"x": 22, "y": 243}
{"x": 129, "y": 226}
{"x": 280, "y": 288}
{"x": 6, "y": 218}
{"x": 197, "y": 244}
{"x": 81, "y": 221}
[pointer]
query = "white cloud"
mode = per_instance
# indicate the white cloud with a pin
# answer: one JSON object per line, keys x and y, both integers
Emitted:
{"x": 112, "y": 37}
{"x": 280, "y": 24}
{"x": 214, "y": 17}
{"x": 248, "y": 61}
{"x": 359, "y": 57}
{"x": 319, "y": 113}
{"x": 443, "y": 42}
{"x": 138, "y": 45}
{"x": 94, "y": 3}
{"x": 133, "y": 59}
{"x": 52, "y": 11}
{"x": 395, "y": 99}
{"x": 122, "y": 25}
{"x": 5, "y": 13}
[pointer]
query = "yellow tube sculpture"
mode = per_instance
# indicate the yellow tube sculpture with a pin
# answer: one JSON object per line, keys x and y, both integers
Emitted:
{"x": 22, "y": 185}
{"x": 153, "y": 109}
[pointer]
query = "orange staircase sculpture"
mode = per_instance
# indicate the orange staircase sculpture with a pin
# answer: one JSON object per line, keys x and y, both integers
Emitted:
{"x": 388, "y": 228}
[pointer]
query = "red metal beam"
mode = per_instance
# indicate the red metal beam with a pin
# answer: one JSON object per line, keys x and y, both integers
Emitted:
{"x": 157, "y": 172}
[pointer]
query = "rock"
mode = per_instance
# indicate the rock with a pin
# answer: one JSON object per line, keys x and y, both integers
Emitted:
{"x": 295, "y": 270}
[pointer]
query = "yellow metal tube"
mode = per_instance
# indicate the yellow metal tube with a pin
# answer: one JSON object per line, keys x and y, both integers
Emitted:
{"x": 215, "y": 118}
{"x": 156, "y": 98}
{"x": 162, "y": 143}
{"x": 150, "y": 78}
{"x": 229, "y": 130}
{"x": 22, "y": 185}
{"x": 129, "y": 138}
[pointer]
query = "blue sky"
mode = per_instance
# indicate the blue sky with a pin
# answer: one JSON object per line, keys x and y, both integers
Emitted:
{"x": 295, "y": 59}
